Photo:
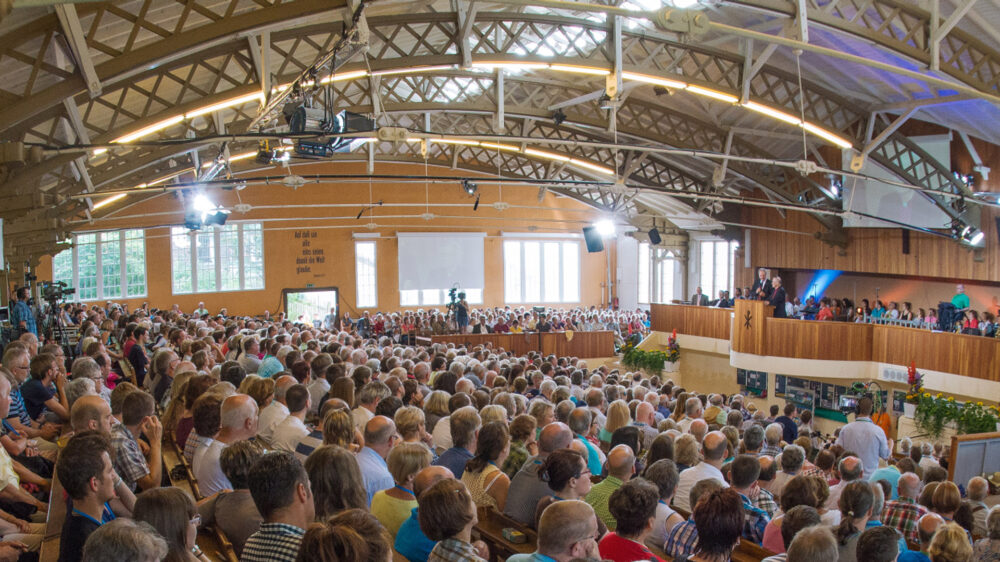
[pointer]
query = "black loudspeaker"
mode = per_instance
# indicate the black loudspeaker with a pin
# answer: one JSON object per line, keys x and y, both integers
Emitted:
{"x": 654, "y": 237}
{"x": 593, "y": 238}
{"x": 906, "y": 242}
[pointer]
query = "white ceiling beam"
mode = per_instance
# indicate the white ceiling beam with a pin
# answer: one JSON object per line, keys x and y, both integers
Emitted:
{"x": 78, "y": 44}
{"x": 260, "y": 53}
{"x": 802, "y": 19}
{"x": 983, "y": 169}
{"x": 466, "y": 16}
{"x": 940, "y": 29}
{"x": 895, "y": 125}
{"x": 925, "y": 102}
{"x": 498, "y": 117}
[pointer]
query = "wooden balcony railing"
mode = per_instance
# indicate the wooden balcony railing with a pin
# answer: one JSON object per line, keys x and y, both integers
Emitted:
{"x": 755, "y": 331}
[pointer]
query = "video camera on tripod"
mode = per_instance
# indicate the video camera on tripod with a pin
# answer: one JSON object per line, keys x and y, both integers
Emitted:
{"x": 454, "y": 297}
{"x": 53, "y": 292}
{"x": 849, "y": 402}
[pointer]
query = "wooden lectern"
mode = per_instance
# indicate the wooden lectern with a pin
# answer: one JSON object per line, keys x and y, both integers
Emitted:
{"x": 749, "y": 326}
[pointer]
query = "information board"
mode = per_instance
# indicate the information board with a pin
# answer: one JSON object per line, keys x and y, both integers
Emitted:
{"x": 803, "y": 399}
{"x": 779, "y": 385}
{"x": 755, "y": 382}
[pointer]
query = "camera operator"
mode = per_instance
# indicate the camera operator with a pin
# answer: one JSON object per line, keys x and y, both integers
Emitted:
{"x": 22, "y": 317}
{"x": 865, "y": 438}
{"x": 461, "y": 308}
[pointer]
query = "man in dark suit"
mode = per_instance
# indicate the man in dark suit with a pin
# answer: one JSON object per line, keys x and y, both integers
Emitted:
{"x": 778, "y": 298}
{"x": 762, "y": 288}
{"x": 698, "y": 298}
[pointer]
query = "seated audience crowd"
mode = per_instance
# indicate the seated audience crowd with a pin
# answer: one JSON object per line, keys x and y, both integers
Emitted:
{"x": 335, "y": 443}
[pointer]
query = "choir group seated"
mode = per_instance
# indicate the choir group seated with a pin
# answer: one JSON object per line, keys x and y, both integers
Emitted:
{"x": 176, "y": 436}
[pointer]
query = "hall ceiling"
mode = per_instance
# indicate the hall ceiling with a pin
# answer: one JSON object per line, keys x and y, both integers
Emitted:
{"x": 92, "y": 72}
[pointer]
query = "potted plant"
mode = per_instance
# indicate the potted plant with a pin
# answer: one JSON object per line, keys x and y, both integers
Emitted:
{"x": 974, "y": 417}
{"x": 916, "y": 383}
{"x": 933, "y": 413}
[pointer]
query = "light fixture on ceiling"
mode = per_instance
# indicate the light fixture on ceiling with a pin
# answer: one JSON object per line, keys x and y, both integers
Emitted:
{"x": 683, "y": 4}
{"x": 203, "y": 212}
{"x": 559, "y": 117}
{"x": 972, "y": 235}
{"x": 605, "y": 228}
{"x": 469, "y": 187}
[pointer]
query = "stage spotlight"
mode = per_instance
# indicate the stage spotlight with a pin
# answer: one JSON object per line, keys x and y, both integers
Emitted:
{"x": 605, "y": 228}
{"x": 469, "y": 187}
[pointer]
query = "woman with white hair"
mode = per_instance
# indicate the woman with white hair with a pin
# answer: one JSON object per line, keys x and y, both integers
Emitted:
{"x": 988, "y": 549}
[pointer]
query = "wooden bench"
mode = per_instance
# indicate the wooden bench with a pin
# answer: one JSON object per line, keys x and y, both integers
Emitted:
{"x": 748, "y": 551}
{"x": 211, "y": 539}
{"x": 490, "y": 531}
{"x": 49, "y": 551}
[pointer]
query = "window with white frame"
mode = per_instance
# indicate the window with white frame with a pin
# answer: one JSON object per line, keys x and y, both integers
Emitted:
{"x": 365, "y": 271}
{"x": 104, "y": 265}
{"x": 430, "y": 297}
{"x": 541, "y": 271}
{"x": 718, "y": 260}
{"x": 225, "y": 258}
{"x": 645, "y": 275}
{"x": 656, "y": 274}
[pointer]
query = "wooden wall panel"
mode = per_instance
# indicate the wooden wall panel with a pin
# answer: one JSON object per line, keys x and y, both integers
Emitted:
{"x": 971, "y": 356}
{"x": 869, "y": 250}
{"x": 583, "y": 344}
{"x": 701, "y": 321}
{"x": 832, "y": 341}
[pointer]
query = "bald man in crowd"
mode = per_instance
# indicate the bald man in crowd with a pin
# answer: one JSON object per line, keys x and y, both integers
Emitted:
{"x": 565, "y": 532}
{"x": 238, "y": 422}
{"x": 380, "y": 436}
{"x": 645, "y": 420}
{"x": 621, "y": 467}
{"x": 903, "y": 512}
{"x": 275, "y": 412}
{"x": 713, "y": 449}
{"x": 692, "y": 411}
{"x": 850, "y": 469}
{"x": 411, "y": 541}
{"x": 91, "y": 412}
{"x": 926, "y": 527}
{"x": 526, "y": 488}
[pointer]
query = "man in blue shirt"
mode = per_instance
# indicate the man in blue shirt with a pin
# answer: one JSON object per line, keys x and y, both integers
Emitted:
{"x": 865, "y": 438}
{"x": 23, "y": 319}
{"x": 380, "y": 436}
{"x": 789, "y": 431}
{"x": 411, "y": 541}
{"x": 464, "y": 423}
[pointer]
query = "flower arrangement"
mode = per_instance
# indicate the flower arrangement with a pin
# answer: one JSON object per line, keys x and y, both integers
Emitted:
{"x": 673, "y": 350}
{"x": 916, "y": 382}
{"x": 651, "y": 361}
{"x": 935, "y": 412}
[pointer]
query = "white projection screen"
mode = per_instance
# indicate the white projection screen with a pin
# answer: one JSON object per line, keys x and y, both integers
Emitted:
{"x": 440, "y": 260}
{"x": 899, "y": 204}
